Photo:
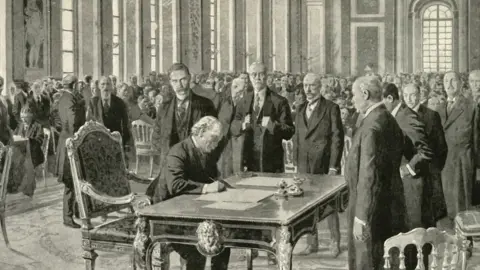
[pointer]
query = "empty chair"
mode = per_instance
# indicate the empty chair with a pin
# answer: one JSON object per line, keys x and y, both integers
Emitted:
{"x": 6, "y": 160}
{"x": 142, "y": 136}
{"x": 445, "y": 249}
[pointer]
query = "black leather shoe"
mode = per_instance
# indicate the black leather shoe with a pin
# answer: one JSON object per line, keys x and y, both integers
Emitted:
{"x": 70, "y": 223}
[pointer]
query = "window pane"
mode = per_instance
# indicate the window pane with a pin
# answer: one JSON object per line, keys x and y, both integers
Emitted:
{"x": 67, "y": 41}
{"x": 67, "y": 62}
{"x": 153, "y": 13}
{"x": 153, "y": 51}
{"x": 67, "y": 4}
{"x": 153, "y": 63}
{"x": 116, "y": 25}
{"x": 116, "y": 65}
{"x": 116, "y": 45}
{"x": 153, "y": 31}
{"x": 115, "y": 8}
{"x": 67, "y": 20}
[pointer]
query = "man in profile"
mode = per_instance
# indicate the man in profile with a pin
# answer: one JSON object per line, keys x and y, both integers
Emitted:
{"x": 376, "y": 209}
{"x": 189, "y": 169}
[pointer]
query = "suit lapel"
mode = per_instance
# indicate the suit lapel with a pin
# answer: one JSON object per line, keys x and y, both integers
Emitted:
{"x": 169, "y": 116}
{"x": 192, "y": 102}
{"x": 317, "y": 116}
{"x": 248, "y": 100}
{"x": 457, "y": 110}
{"x": 267, "y": 105}
{"x": 100, "y": 110}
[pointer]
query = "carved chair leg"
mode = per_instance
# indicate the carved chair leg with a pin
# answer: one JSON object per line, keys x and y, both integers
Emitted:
{"x": 248, "y": 255}
{"x": 151, "y": 166}
{"x": 4, "y": 229}
{"x": 89, "y": 256}
{"x": 136, "y": 163}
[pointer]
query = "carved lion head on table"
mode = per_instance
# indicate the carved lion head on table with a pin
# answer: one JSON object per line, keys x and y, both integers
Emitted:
{"x": 210, "y": 238}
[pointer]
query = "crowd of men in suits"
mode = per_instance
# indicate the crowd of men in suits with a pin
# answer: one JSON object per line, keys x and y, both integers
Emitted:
{"x": 411, "y": 164}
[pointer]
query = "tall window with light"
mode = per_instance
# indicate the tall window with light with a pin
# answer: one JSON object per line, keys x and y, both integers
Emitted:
{"x": 437, "y": 38}
{"x": 213, "y": 34}
{"x": 117, "y": 27}
{"x": 153, "y": 34}
{"x": 68, "y": 40}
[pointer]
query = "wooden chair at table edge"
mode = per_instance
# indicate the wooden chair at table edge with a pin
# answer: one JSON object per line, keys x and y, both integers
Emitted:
{"x": 433, "y": 236}
{"x": 7, "y": 152}
{"x": 142, "y": 136}
{"x": 84, "y": 189}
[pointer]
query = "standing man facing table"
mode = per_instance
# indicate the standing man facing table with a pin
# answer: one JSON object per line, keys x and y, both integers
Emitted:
{"x": 376, "y": 208}
{"x": 189, "y": 169}
{"x": 318, "y": 147}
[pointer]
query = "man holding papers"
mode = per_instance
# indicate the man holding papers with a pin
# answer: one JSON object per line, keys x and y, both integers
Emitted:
{"x": 190, "y": 168}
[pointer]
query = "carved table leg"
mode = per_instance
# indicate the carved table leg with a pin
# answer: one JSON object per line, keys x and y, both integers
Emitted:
{"x": 284, "y": 248}
{"x": 140, "y": 244}
{"x": 160, "y": 256}
{"x": 89, "y": 255}
{"x": 248, "y": 254}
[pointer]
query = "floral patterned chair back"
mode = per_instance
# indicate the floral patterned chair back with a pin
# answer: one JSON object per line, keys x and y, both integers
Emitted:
{"x": 99, "y": 171}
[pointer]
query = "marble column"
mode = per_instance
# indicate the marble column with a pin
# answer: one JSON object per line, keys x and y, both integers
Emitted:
{"x": 241, "y": 46}
{"x": 280, "y": 35}
{"x": 18, "y": 39}
{"x": 176, "y": 33}
{"x": 401, "y": 21}
{"x": 296, "y": 36}
{"x": 102, "y": 36}
{"x": 463, "y": 57}
{"x": 192, "y": 43}
{"x": 6, "y": 47}
{"x": 333, "y": 36}
{"x": 473, "y": 36}
{"x": 253, "y": 44}
{"x": 316, "y": 36}
{"x": 85, "y": 44}
{"x": 231, "y": 35}
{"x": 146, "y": 48}
{"x": 259, "y": 30}
{"x": 166, "y": 34}
{"x": 131, "y": 14}
{"x": 223, "y": 35}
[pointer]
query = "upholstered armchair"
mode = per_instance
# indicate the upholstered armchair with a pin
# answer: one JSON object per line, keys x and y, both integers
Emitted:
{"x": 102, "y": 186}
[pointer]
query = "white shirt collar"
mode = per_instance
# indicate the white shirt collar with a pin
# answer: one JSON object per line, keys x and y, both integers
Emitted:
{"x": 396, "y": 109}
{"x": 373, "y": 107}
{"x": 416, "y": 108}
{"x": 260, "y": 93}
{"x": 194, "y": 142}
{"x": 451, "y": 99}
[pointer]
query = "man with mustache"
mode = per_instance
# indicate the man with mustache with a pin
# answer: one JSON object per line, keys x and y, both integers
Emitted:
{"x": 188, "y": 169}
{"x": 176, "y": 116}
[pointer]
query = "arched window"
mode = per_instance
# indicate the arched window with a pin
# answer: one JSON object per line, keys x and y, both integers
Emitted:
{"x": 437, "y": 38}
{"x": 213, "y": 33}
{"x": 68, "y": 37}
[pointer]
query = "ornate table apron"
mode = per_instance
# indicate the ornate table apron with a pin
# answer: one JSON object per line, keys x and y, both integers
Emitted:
{"x": 154, "y": 234}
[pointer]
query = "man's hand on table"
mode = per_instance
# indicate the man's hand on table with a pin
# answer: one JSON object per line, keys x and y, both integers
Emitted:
{"x": 213, "y": 187}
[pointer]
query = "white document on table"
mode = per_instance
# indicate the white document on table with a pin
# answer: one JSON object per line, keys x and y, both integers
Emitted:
{"x": 235, "y": 206}
{"x": 263, "y": 181}
{"x": 242, "y": 195}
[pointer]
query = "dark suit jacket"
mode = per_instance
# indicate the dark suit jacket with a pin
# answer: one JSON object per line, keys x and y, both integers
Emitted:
{"x": 19, "y": 100}
{"x": 281, "y": 128}
{"x": 162, "y": 130}
{"x": 71, "y": 111}
{"x": 5, "y": 131}
{"x": 35, "y": 136}
{"x": 116, "y": 119}
{"x": 40, "y": 109}
{"x": 374, "y": 183}
{"x": 185, "y": 171}
{"x": 462, "y": 133}
{"x": 230, "y": 148}
{"x": 318, "y": 143}
{"x": 433, "y": 197}
{"x": 417, "y": 152}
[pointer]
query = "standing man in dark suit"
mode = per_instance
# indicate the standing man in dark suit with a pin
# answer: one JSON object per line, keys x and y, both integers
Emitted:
{"x": 110, "y": 110}
{"x": 176, "y": 116}
{"x": 376, "y": 205}
{"x": 416, "y": 154}
{"x": 265, "y": 119}
{"x": 318, "y": 147}
{"x": 71, "y": 111}
{"x": 461, "y": 119}
{"x": 434, "y": 207}
{"x": 230, "y": 148}
{"x": 39, "y": 104}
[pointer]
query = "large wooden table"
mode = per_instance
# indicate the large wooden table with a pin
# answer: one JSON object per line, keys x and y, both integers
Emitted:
{"x": 274, "y": 225}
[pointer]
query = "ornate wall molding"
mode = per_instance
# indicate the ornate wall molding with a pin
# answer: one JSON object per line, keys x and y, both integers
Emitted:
{"x": 195, "y": 26}
{"x": 355, "y": 14}
{"x": 381, "y": 44}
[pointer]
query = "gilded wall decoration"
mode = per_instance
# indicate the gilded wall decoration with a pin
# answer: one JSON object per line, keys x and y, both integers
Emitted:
{"x": 195, "y": 24}
{"x": 34, "y": 33}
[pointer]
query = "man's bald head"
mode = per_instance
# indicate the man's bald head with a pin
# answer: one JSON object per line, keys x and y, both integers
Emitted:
{"x": 366, "y": 90}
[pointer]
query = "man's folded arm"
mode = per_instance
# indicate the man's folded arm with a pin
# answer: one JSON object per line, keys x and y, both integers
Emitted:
{"x": 176, "y": 181}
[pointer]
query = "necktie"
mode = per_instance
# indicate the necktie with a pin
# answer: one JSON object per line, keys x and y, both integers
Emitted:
{"x": 106, "y": 106}
{"x": 450, "y": 106}
{"x": 181, "y": 110}
{"x": 309, "y": 111}
{"x": 256, "y": 108}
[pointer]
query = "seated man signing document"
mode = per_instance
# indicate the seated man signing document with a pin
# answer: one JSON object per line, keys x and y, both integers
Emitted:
{"x": 189, "y": 168}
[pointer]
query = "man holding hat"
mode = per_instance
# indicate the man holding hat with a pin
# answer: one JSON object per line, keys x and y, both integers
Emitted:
{"x": 71, "y": 112}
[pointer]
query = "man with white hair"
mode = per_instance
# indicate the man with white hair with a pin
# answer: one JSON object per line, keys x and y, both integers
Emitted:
{"x": 376, "y": 208}
{"x": 189, "y": 169}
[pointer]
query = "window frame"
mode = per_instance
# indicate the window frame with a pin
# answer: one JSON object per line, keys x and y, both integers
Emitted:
{"x": 155, "y": 38}
{"x": 74, "y": 32}
{"x": 439, "y": 65}
{"x": 213, "y": 34}
{"x": 120, "y": 35}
